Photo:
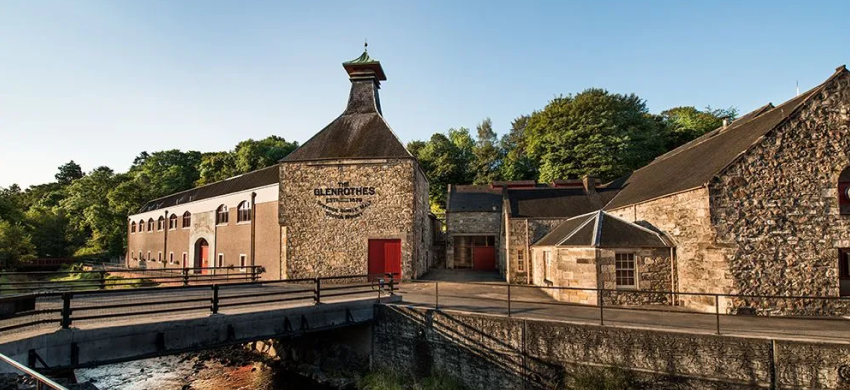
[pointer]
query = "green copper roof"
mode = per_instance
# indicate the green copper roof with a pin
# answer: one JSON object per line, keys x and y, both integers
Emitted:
{"x": 363, "y": 59}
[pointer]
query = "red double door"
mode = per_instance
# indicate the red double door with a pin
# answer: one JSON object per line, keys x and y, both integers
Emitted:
{"x": 385, "y": 257}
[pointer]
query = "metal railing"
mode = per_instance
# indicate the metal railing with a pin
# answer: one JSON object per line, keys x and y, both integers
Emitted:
{"x": 604, "y": 300}
{"x": 75, "y": 280}
{"x": 68, "y": 308}
{"x": 42, "y": 382}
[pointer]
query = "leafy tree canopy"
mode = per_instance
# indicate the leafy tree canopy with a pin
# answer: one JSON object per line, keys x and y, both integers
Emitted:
{"x": 592, "y": 133}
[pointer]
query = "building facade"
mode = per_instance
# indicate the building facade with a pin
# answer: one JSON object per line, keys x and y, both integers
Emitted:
{"x": 232, "y": 223}
{"x": 350, "y": 201}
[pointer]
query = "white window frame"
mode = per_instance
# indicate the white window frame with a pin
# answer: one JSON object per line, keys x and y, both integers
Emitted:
{"x": 630, "y": 257}
{"x": 243, "y": 259}
{"x": 243, "y": 212}
{"x": 170, "y": 257}
{"x": 220, "y": 259}
{"x": 222, "y": 215}
{"x": 183, "y": 220}
{"x": 159, "y": 257}
{"x": 520, "y": 260}
{"x": 149, "y": 256}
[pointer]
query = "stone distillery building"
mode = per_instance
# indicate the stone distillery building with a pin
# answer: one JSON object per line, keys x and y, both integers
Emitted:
{"x": 759, "y": 206}
{"x": 351, "y": 200}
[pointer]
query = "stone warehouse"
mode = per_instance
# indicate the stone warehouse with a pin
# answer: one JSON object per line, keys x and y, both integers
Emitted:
{"x": 350, "y": 201}
{"x": 759, "y": 206}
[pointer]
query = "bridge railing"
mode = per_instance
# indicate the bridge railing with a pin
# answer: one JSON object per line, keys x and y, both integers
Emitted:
{"x": 42, "y": 382}
{"x": 717, "y": 312}
{"x": 113, "y": 278}
{"x": 66, "y": 309}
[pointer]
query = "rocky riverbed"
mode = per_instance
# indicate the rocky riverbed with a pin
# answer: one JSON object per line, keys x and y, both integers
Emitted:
{"x": 236, "y": 368}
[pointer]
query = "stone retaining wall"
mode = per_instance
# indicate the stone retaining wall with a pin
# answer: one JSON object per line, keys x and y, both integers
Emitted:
{"x": 491, "y": 352}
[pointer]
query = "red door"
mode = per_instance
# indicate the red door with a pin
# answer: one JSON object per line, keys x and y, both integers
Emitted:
{"x": 205, "y": 256}
{"x": 484, "y": 258}
{"x": 385, "y": 257}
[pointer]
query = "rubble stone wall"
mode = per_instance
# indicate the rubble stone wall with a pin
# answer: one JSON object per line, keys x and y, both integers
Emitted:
{"x": 776, "y": 209}
{"x": 494, "y": 352}
{"x": 326, "y": 232}
{"x": 701, "y": 265}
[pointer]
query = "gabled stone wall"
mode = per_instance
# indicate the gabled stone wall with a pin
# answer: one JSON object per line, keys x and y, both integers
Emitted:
{"x": 776, "y": 207}
{"x": 320, "y": 241}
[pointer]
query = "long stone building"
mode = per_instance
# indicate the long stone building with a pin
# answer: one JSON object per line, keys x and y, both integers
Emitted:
{"x": 350, "y": 201}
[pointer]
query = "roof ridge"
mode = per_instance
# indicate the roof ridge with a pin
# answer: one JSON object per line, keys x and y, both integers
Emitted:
{"x": 211, "y": 184}
{"x": 711, "y": 133}
{"x": 785, "y": 118}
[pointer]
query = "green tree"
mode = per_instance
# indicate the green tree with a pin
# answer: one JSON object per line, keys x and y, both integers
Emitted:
{"x": 216, "y": 167}
{"x": 443, "y": 163}
{"x": 15, "y": 244}
{"x": 486, "y": 154}
{"x": 91, "y": 215}
{"x": 684, "y": 124}
{"x": 251, "y": 155}
{"x": 47, "y": 228}
{"x": 464, "y": 145}
{"x": 68, "y": 173}
{"x": 594, "y": 132}
{"x": 11, "y": 203}
{"x": 516, "y": 164}
{"x": 167, "y": 172}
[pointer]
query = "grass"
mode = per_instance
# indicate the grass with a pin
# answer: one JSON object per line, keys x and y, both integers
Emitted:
{"x": 602, "y": 378}
{"x": 388, "y": 380}
{"x": 5, "y": 289}
{"x": 112, "y": 282}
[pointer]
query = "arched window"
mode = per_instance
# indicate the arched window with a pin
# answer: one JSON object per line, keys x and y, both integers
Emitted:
{"x": 133, "y": 227}
{"x": 187, "y": 220}
{"x": 160, "y": 223}
{"x": 172, "y": 222}
{"x": 150, "y": 224}
{"x": 844, "y": 192}
{"x": 243, "y": 214}
{"x": 221, "y": 216}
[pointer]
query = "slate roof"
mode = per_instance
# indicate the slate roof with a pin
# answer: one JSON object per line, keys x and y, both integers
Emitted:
{"x": 360, "y": 132}
{"x": 474, "y": 198}
{"x": 258, "y": 178}
{"x": 602, "y": 230}
{"x": 554, "y": 202}
{"x": 697, "y": 162}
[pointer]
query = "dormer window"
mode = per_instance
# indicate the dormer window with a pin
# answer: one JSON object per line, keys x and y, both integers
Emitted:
{"x": 221, "y": 216}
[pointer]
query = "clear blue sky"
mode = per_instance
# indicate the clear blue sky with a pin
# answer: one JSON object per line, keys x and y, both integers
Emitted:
{"x": 100, "y": 81}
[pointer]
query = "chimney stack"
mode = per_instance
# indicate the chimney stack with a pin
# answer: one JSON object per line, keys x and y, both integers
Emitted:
{"x": 589, "y": 183}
